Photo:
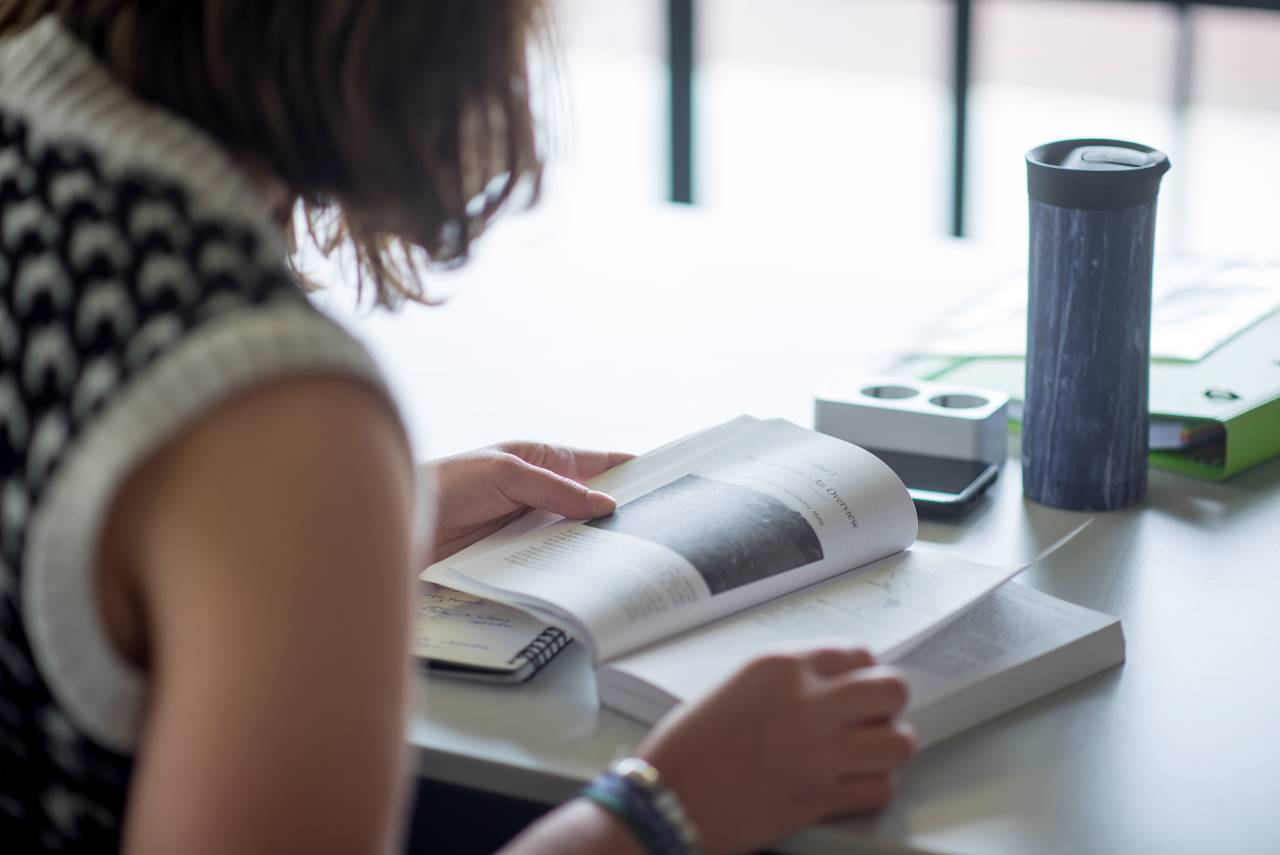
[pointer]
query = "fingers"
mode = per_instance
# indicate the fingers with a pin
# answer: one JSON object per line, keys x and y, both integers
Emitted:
{"x": 447, "y": 547}
{"x": 861, "y": 794}
{"x": 575, "y": 463}
{"x": 525, "y": 484}
{"x": 874, "y": 750}
{"x": 869, "y": 695}
{"x": 833, "y": 661}
{"x": 588, "y": 464}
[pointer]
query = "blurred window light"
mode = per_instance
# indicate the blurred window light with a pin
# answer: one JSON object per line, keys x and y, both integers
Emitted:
{"x": 610, "y": 143}
{"x": 841, "y": 110}
{"x": 1231, "y": 171}
{"x": 825, "y": 109}
{"x": 1059, "y": 69}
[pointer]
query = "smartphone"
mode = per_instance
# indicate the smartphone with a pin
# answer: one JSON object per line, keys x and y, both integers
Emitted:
{"x": 940, "y": 486}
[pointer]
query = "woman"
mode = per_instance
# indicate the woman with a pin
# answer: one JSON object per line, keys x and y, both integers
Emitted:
{"x": 208, "y": 518}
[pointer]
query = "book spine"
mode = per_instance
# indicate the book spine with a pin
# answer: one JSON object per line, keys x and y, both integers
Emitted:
{"x": 542, "y": 649}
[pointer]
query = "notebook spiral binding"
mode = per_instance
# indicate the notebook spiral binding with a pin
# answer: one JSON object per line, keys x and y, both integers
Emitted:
{"x": 542, "y": 649}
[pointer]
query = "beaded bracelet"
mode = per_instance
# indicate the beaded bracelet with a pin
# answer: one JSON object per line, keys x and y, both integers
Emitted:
{"x": 633, "y": 792}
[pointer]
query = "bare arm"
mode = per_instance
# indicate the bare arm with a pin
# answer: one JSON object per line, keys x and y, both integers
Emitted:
{"x": 577, "y": 828}
{"x": 269, "y": 550}
{"x": 787, "y": 741}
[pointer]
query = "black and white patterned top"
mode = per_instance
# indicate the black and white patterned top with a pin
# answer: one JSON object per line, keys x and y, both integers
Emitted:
{"x": 140, "y": 285}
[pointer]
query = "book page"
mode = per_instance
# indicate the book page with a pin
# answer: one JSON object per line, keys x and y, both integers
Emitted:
{"x": 882, "y": 607}
{"x": 1011, "y": 625}
{"x": 771, "y": 511}
{"x": 1017, "y": 644}
{"x": 1012, "y": 646}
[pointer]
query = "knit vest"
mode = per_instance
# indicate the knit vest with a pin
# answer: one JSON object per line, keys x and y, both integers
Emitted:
{"x": 140, "y": 285}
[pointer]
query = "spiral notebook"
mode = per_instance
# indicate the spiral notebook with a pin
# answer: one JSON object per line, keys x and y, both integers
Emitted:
{"x": 468, "y": 638}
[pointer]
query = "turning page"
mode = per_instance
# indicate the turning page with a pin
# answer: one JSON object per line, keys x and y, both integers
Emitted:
{"x": 773, "y": 509}
{"x": 887, "y": 607}
{"x": 1016, "y": 645}
{"x": 1013, "y": 646}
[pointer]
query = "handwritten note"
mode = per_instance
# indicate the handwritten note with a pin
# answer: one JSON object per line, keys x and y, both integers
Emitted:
{"x": 465, "y": 630}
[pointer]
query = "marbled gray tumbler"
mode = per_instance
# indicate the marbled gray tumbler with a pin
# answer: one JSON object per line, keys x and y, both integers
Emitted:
{"x": 1085, "y": 420}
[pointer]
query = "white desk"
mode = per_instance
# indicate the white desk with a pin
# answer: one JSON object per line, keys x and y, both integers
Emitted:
{"x": 626, "y": 330}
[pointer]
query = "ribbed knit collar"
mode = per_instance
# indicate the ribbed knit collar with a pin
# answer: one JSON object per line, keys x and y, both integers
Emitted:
{"x": 58, "y": 87}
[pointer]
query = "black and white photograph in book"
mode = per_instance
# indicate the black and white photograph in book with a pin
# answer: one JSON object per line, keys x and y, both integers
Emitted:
{"x": 732, "y": 535}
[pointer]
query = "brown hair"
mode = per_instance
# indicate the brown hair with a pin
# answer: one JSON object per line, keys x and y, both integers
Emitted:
{"x": 402, "y": 125}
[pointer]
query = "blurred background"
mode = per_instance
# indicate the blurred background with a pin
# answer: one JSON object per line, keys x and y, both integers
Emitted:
{"x": 846, "y": 111}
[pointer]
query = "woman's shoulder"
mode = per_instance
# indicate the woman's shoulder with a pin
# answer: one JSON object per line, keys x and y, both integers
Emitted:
{"x": 140, "y": 280}
{"x": 141, "y": 285}
{"x": 68, "y": 121}
{"x": 116, "y": 205}
{"x": 121, "y": 225}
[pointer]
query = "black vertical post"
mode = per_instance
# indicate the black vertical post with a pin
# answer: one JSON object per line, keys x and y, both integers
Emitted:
{"x": 1183, "y": 90}
{"x": 960, "y": 78}
{"x": 680, "y": 59}
{"x": 1183, "y": 60}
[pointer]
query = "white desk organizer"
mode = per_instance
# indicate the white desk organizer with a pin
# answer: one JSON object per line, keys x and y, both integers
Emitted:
{"x": 918, "y": 417}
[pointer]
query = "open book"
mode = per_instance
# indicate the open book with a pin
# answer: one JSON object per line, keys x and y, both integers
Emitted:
{"x": 800, "y": 537}
{"x": 1013, "y": 646}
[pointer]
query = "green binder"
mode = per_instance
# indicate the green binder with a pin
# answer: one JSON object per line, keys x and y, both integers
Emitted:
{"x": 1236, "y": 386}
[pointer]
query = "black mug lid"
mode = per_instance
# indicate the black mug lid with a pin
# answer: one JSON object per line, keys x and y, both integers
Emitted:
{"x": 1102, "y": 175}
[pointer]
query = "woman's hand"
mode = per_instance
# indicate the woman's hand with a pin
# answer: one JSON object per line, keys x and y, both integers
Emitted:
{"x": 789, "y": 740}
{"x": 483, "y": 490}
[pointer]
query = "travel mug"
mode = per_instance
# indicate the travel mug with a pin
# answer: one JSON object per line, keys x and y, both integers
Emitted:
{"x": 1085, "y": 419}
